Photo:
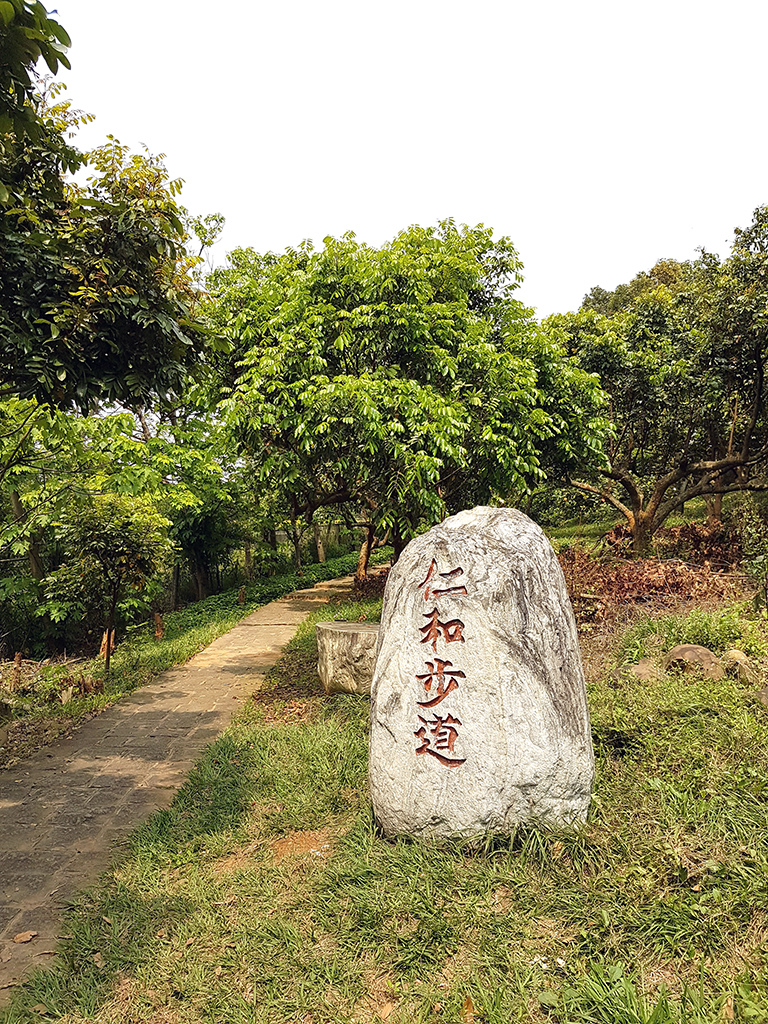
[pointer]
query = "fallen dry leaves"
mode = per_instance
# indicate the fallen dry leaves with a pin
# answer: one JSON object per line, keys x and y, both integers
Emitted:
{"x": 24, "y": 936}
{"x": 599, "y": 588}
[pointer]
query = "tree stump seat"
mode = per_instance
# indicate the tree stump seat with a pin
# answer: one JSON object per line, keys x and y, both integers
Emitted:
{"x": 346, "y": 655}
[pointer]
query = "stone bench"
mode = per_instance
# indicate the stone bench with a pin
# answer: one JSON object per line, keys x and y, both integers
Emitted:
{"x": 346, "y": 655}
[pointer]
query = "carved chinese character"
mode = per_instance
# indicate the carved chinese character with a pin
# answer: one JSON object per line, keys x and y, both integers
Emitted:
{"x": 440, "y": 741}
{"x": 452, "y": 631}
{"x": 443, "y": 677}
{"x": 441, "y": 591}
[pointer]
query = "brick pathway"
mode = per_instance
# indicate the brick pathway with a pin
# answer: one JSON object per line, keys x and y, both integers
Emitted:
{"x": 64, "y": 811}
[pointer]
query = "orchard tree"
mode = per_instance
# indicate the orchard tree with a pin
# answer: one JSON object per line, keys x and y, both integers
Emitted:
{"x": 97, "y": 300}
{"x": 685, "y": 368}
{"x": 646, "y": 360}
{"x": 667, "y": 273}
{"x": 406, "y": 378}
{"x": 96, "y": 295}
{"x": 117, "y": 544}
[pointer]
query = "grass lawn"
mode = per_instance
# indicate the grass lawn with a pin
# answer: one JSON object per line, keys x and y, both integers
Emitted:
{"x": 265, "y": 893}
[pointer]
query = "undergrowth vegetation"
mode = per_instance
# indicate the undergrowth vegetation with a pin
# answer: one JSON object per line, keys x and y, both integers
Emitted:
{"x": 72, "y": 689}
{"x": 266, "y": 894}
{"x": 729, "y": 627}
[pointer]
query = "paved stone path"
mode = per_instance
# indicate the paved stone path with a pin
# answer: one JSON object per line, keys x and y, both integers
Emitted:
{"x": 64, "y": 811}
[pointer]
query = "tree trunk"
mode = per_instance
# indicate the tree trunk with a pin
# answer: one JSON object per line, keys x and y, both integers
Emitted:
{"x": 143, "y": 421}
{"x": 270, "y": 538}
{"x": 365, "y": 553}
{"x": 319, "y": 542}
{"x": 201, "y": 579}
{"x": 110, "y": 633}
{"x": 398, "y": 543}
{"x": 642, "y": 535}
{"x": 248, "y": 560}
{"x": 36, "y": 566}
{"x": 296, "y": 541}
{"x": 714, "y": 503}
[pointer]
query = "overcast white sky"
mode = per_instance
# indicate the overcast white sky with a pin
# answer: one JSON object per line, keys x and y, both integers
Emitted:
{"x": 599, "y": 135}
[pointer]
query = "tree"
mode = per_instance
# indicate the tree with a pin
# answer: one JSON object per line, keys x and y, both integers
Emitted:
{"x": 27, "y": 33}
{"x": 684, "y": 364}
{"x": 406, "y": 378}
{"x": 97, "y": 302}
{"x": 667, "y": 273}
{"x": 117, "y": 543}
{"x": 96, "y": 297}
{"x": 52, "y": 462}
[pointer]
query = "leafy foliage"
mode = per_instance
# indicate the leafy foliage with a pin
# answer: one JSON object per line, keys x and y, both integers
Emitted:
{"x": 685, "y": 365}
{"x": 27, "y": 32}
{"x": 116, "y": 545}
{"x": 97, "y": 303}
{"x": 405, "y": 378}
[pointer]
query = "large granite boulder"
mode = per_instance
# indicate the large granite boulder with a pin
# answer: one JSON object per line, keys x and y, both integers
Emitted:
{"x": 479, "y": 715}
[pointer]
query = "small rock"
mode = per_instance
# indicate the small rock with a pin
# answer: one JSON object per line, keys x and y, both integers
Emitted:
{"x": 738, "y": 664}
{"x": 646, "y": 670}
{"x": 762, "y": 696}
{"x": 691, "y": 656}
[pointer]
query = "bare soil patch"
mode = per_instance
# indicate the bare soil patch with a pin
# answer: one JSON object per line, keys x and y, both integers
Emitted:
{"x": 20, "y": 738}
{"x": 292, "y": 692}
{"x": 318, "y": 843}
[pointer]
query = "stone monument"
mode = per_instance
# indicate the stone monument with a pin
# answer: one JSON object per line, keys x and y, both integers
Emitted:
{"x": 479, "y": 715}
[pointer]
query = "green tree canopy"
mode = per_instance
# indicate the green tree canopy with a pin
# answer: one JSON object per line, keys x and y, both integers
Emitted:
{"x": 27, "y": 33}
{"x": 117, "y": 542}
{"x": 665, "y": 273}
{"x": 96, "y": 301}
{"x": 684, "y": 364}
{"x": 405, "y": 377}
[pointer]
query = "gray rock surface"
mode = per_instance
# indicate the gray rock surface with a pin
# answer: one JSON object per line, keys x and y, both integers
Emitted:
{"x": 735, "y": 662}
{"x": 687, "y": 657}
{"x": 346, "y": 653}
{"x": 479, "y": 715}
{"x": 646, "y": 670}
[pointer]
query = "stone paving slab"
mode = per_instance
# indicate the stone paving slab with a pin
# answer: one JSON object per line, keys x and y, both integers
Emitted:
{"x": 65, "y": 810}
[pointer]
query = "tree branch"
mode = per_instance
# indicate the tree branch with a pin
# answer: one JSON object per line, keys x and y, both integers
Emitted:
{"x": 605, "y": 495}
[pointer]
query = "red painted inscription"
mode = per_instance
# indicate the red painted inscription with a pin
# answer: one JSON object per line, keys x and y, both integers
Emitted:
{"x": 438, "y": 736}
{"x": 438, "y": 681}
